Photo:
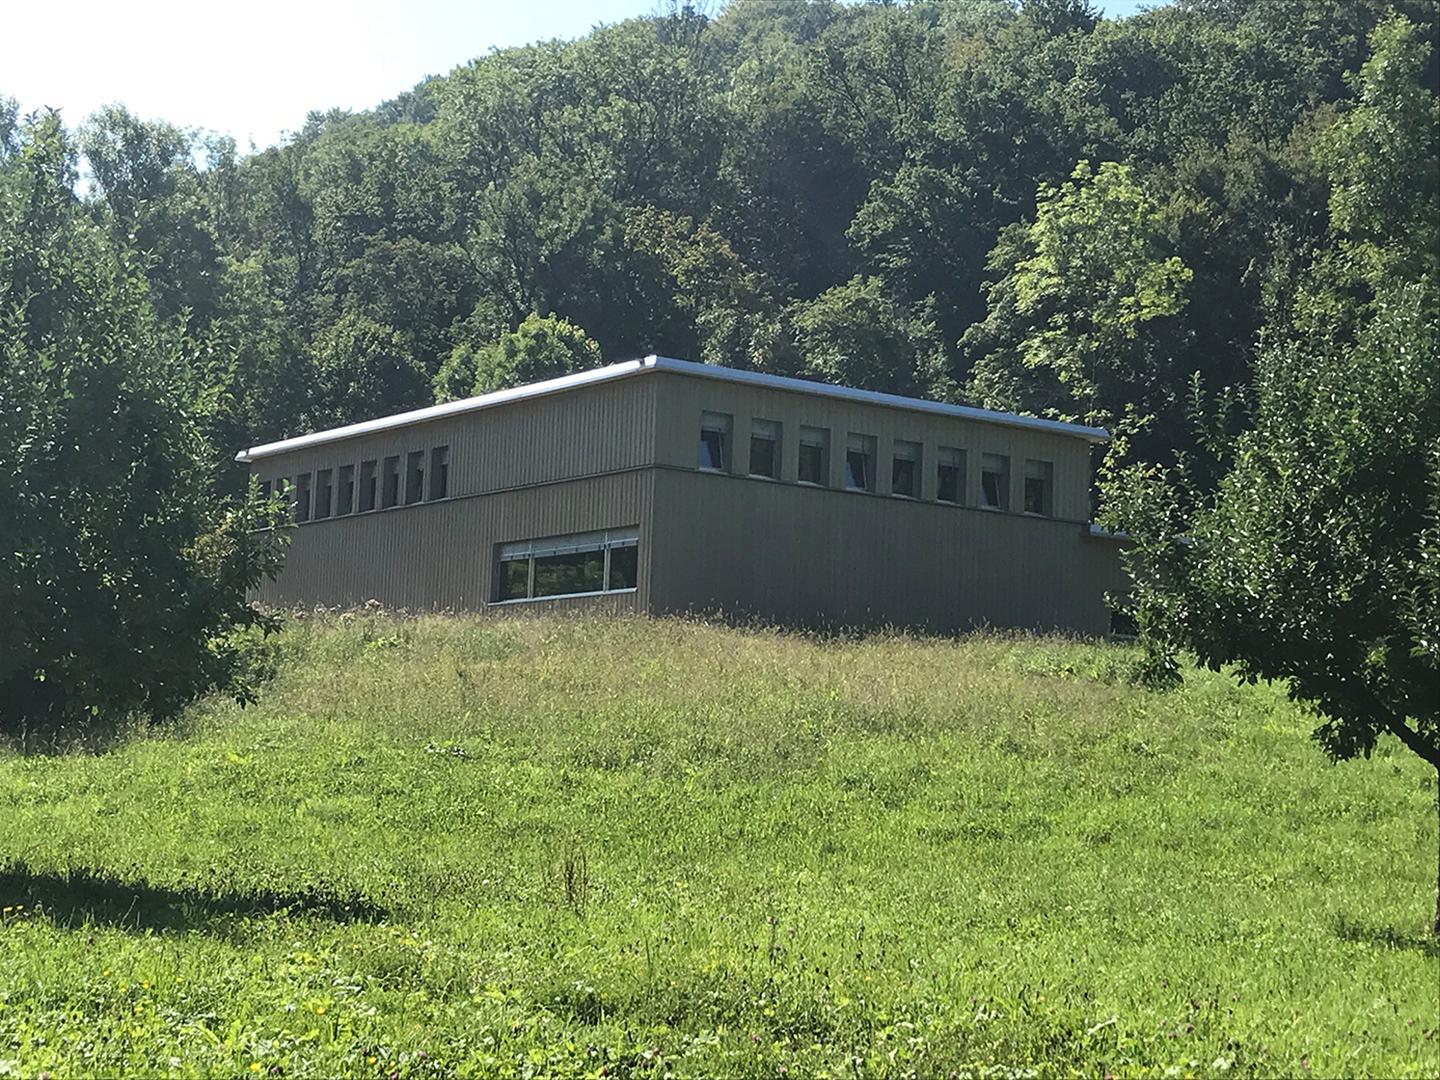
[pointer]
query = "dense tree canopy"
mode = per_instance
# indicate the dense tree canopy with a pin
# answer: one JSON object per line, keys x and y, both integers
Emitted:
{"x": 122, "y": 580}
{"x": 1014, "y": 203}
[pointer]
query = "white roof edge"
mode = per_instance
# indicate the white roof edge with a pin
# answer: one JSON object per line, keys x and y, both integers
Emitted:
{"x": 874, "y": 397}
{"x": 449, "y": 408}
{"x": 665, "y": 363}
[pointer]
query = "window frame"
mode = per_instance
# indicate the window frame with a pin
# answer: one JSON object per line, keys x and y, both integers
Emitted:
{"x": 723, "y": 425}
{"x": 916, "y": 452}
{"x": 345, "y": 490}
{"x": 814, "y": 438}
{"x": 301, "y": 505}
{"x": 866, "y": 447}
{"x": 607, "y": 541}
{"x": 391, "y": 488}
{"x": 324, "y": 497}
{"x": 1047, "y": 495}
{"x": 414, "y": 477}
{"x": 439, "y": 478}
{"x": 776, "y": 439}
{"x": 367, "y": 493}
{"x": 950, "y": 457}
{"x": 1003, "y": 491}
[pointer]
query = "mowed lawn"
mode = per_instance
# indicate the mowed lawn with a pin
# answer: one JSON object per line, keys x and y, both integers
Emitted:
{"x": 620, "y": 847}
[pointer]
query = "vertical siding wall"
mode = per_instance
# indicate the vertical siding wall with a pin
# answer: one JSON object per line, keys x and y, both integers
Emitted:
{"x": 682, "y": 399}
{"x": 826, "y": 556}
{"x": 627, "y": 452}
{"x": 568, "y": 463}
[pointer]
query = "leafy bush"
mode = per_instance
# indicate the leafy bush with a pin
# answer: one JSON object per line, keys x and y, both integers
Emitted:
{"x": 122, "y": 581}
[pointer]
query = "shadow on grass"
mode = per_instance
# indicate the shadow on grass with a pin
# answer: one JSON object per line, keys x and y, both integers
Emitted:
{"x": 78, "y": 897}
{"x": 1388, "y": 937}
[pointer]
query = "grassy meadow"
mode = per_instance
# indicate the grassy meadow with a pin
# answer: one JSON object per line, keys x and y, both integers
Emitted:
{"x": 622, "y": 847}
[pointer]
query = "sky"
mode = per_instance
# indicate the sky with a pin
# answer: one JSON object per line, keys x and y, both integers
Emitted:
{"x": 253, "y": 69}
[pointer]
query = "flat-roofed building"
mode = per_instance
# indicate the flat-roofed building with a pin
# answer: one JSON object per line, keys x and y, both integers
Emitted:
{"x": 664, "y": 486}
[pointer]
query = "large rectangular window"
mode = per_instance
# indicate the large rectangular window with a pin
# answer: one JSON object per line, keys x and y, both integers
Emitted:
{"x": 765, "y": 448}
{"x": 860, "y": 462}
{"x": 715, "y": 441}
{"x": 995, "y": 481}
{"x": 414, "y": 476}
{"x": 1039, "y": 487}
{"x": 345, "y": 492}
{"x": 390, "y": 482}
{"x": 814, "y": 456}
{"x": 324, "y": 492}
{"x": 950, "y": 475}
{"x": 302, "y": 497}
{"x": 905, "y": 470}
{"x": 574, "y": 565}
{"x": 439, "y": 472}
{"x": 367, "y": 486}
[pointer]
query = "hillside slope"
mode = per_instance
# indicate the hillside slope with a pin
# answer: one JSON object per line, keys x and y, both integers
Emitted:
{"x": 555, "y": 847}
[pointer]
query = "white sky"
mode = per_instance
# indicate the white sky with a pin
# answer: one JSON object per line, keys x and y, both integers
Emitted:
{"x": 254, "y": 68}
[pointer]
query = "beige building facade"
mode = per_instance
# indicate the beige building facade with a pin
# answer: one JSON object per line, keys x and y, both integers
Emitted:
{"x": 663, "y": 486}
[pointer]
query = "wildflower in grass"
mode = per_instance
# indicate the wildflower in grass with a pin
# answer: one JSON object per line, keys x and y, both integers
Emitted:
{"x": 254, "y": 1066}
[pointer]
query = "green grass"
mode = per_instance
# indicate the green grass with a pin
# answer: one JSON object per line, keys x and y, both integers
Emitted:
{"x": 629, "y": 847}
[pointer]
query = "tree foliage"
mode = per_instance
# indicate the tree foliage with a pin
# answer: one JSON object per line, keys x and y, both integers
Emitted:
{"x": 123, "y": 579}
{"x": 1312, "y": 562}
{"x": 541, "y": 347}
{"x": 1084, "y": 313}
{"x": 719, "y": 188}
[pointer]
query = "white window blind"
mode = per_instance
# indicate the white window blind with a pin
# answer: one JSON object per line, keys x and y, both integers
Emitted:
{"x": 570, "y": 545}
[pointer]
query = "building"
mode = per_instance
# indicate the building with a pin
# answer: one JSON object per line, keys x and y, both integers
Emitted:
{"x": 659, "y": 485}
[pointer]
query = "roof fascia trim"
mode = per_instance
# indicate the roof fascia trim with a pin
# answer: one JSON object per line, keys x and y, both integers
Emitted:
{"x": 449, "y": 408}
{"x": 874, "y": 397}
{"x": 628, "y": 368}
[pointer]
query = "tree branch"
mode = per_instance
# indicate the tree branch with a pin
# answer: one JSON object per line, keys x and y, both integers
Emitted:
{"x": 1414, "y": 740}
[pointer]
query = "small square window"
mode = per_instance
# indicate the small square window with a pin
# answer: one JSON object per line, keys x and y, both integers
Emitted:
{"x": 765, "y": 449}
{"x": 345, "y": 491}
{"x": 265, "y": 489}
{"x": 367, "y": 486}
{"x": 905, "y": 470}
{"x": 439, "y": 472}
{"x": 814, "y": 456}
{"x": 390, "y": 492}
{"x": 950, "y": 475}
{"x": 995, "y": 481}
{"x": 715, "y": 441}
{"x": 324, "y": 489}
{"x": 860, "y": 462}
{"x": 1039, "y": 487}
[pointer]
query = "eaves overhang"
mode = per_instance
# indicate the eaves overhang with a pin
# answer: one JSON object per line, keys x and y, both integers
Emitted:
{"x": 632, "y": 368}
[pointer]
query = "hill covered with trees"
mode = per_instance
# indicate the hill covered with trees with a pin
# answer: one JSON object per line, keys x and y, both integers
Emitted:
{"x": 1020, "y": 205}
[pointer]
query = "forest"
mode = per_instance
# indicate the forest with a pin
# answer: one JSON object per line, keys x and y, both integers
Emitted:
{"x": 1023, "y": 206}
